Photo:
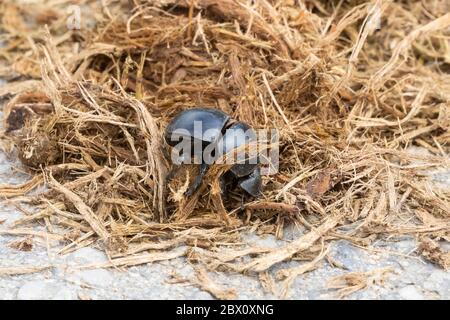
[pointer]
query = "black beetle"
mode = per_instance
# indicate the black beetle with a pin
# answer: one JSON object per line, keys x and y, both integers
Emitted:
{"x": 217, "y": 132}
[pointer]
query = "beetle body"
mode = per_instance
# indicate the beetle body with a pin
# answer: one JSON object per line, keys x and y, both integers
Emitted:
{"x": 206, "y": 128}
{"x": 236, "y": 136}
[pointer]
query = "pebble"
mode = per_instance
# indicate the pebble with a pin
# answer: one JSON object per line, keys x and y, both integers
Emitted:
{"x": 95, "y": 277}
{"x": 350, "y": 257}
{"x": 86, "y": 255}
{"x": 410, "y": 293}
{"x": 45, "y": 290}
{"x": 438, "y": 280}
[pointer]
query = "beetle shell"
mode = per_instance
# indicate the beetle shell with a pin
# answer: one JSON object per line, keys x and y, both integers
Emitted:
{"x": 212, "y": 122}
{"x": 236, "y": 136}
{"x": 252, "y": 184}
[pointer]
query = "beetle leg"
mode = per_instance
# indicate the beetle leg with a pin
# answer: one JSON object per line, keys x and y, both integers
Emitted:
{"x": 198, "y": 179}
{"x": 242, "y": 203}
{"x": 223, "y": 188}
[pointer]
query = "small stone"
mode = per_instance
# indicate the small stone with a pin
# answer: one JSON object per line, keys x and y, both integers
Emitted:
{"x": 87, "y": 255}
{"x": 350, "y": 257}
{"x": 201, "y": 296}
{"x": 44, "y": 290}
{"x": 96, "y": 277}
{"x": 65, "y": 294}
{"x": 438, "y": 281}
{"x": 410, "y": 293}
{"x": 268, "y": 241}
{"x": 403, "y": 263}
{"x": 33, "y": 291}
{"x": 293, "y": 231}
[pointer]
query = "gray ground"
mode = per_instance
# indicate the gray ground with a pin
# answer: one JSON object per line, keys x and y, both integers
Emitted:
{"x": 413, "y": 278}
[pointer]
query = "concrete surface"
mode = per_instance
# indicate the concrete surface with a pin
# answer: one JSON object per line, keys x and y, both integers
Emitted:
{"x": 413, "y": 278}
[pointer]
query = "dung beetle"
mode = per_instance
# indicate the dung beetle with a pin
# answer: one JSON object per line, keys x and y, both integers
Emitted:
{"x": 203, "y": 129}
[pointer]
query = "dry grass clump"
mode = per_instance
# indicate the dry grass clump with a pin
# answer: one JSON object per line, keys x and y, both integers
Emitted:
{"x": 355, "y": 281}
{"x": 87, "y": 108}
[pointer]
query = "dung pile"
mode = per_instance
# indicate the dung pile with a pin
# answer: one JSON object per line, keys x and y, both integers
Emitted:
{"x": 352, "y": 87}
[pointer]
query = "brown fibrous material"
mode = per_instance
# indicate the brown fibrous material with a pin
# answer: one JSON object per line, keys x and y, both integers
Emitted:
{"x": 352, "y": 86}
